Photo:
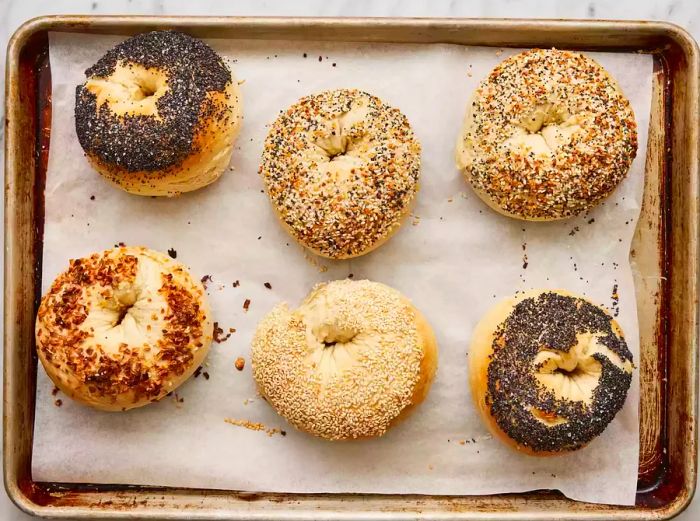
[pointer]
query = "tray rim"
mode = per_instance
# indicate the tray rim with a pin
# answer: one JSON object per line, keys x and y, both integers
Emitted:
{"x": 75, "y": 23}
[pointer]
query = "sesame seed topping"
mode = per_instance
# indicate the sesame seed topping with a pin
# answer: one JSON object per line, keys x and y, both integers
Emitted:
{"x": 342, "y": 365}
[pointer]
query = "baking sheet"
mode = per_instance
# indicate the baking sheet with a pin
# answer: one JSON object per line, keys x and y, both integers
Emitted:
{"x": 454, "y": 258}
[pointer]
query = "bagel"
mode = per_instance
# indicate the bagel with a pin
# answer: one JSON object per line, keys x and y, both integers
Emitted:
{"x": 158, "y": 114}
{"x": 350, "y": 362}
{"x": 548, "y": 371}
{"x": 122, "y": 328}
{"x": 341, "y": 169}
{"x": 547, "y": 135}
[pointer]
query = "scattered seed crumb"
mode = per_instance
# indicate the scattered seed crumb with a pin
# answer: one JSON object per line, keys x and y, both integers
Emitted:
{"x": 205, "y": 279}
{"x": 58, "y": 402}
{"x": 268, "y": 285}
{"x": 198, "y": 371}
{"x": 591, "y": 220}
{"x": 615, "y": 297}
{"x": 573, "y": 232}
{"x": 55, "y": 391}
{"x": 333, "y": 64}
{"x": 205, "y": 375}
{"x": 305, "y": 55}
{"x": 92, "y": 197}
{"x": 119, "y": 244}
{"x": 320, "y": 58}
{"x": 236, "y": 284}
{"x": 322, "y": 268}
{"x": 246, "y": 304}
{"x": 172, "y": 253}
{"x": 239, "y": 363}
{"x": 351, "y": 275}
{"x": 253, "y": 426}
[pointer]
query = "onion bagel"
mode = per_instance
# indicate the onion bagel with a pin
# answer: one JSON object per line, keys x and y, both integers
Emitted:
{"x": 122, "y": 328}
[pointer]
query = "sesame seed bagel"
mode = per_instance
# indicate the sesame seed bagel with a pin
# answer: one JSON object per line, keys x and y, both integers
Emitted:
{"x": 341, "y": 169}
{"x": 348, "y": 363}
{"x": 548, "y": 135}
{"x": 548, "y": 371}
{"x": 158, "y": 114}
{"x": 122, "y": 328}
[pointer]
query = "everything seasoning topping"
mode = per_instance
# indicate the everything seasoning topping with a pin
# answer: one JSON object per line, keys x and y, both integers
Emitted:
{"x": 341, "y": 168}
{"x": 75, "y": 334}
{"x": 552, "y": 321}
{"x": 575, "y": 164}
{"x": 137, "y": 142}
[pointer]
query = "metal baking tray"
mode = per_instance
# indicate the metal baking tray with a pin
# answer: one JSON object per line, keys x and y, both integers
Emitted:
{"x": 665, "y": 253}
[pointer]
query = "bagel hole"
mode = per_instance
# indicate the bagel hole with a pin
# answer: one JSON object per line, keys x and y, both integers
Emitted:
{"x": 126, "y": 299}
{"x": 122, "y": 313}
{"x": 543, "y": 116}
{"x": 574, "y": 373}
{"x": 332, "y": 148}
{"x": 332, "y": 343}
{"x": 146, "y": 91}
{"x": 333, "y": 338}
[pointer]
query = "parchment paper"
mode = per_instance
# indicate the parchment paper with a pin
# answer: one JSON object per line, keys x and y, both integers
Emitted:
{"x": 455, "y": 258}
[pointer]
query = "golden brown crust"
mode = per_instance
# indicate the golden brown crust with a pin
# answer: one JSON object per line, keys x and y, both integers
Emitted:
{"x": 122, "y": 328}
{"x": 428, "y": 366}
{"x": 352, "y": 360}
{"x": 211, "y": 152}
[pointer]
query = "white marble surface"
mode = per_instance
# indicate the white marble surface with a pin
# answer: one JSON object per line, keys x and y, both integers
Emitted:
{"x": 683, "y": 12}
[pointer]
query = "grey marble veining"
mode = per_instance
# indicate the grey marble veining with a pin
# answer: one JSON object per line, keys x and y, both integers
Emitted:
{"x": 683, "y": 12}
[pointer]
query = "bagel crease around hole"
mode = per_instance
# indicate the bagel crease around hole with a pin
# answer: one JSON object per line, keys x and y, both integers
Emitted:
{"x": 130, "y": 88}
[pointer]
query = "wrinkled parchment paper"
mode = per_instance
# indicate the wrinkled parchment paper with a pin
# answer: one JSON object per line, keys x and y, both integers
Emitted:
{"x": 454, "y": 258}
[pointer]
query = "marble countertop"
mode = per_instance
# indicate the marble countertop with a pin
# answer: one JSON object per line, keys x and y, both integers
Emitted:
{"x": 683, "y": 12}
